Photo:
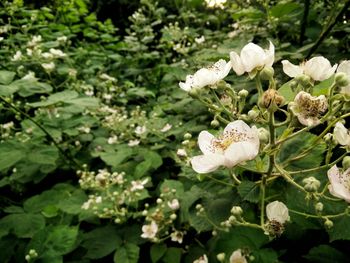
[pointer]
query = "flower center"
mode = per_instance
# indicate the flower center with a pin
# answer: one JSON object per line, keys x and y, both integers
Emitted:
{"x": 312, "y": 107}
{"x": 345, "y": 180}
{"x": 228, "y": 138}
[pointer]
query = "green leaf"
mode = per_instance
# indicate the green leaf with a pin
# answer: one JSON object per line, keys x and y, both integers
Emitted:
{"x": 101, "y": 242}
{"x": 9, "y": 155}
{"x": 116, "y": 158}
{"x": 55, "y": 98}
{"x": 23, "y": 225}
{"x": 28, "y": 87}
{"x": 129, "y": 253}
{"x": 72, "y": 203}
{"x": 44, "y": 155}
{"x": 140, "y": 93}
{"x": 282, "y": 10}
{"x": 172, "y": 255}
{"x": 340, "y": 229}
{"x": 323, "y": 87}
{"x": 287, "y": 92}
{"x": 157, "y": 251}
{"x": 6, "y": 77}
{"x": 7, "y": 90}
{"x": 60, "y": 240}
{"x": 249, "y": 191}
{"x": 325, "y": 254}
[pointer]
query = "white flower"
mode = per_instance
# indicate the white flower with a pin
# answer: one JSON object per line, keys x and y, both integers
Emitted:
{"x": 344, "y": 67}
{"x": 237, "y": 144}
{"x": 87, "y": 204}
{"x": 133, "y": 143}
{"x": 149, "y": 231}
{"x": 113, "y": 139}
{"x": 202, "y": 259}
{"x": 181, "y": 153}
{"x": 308, "y": 109}
{"x": 105, "y": 76}
{"x": 237, "y": 257}
{"x": 215, "y": 3}
{"x": 166, "y": 128}
{"x": 317, "y": 68}
{"x": 252, "y": 57}
{"x": 206, "y": 76}
{"x": 341, "y": 134}
{"x": 48, "y": 66}
{"x": 138, "y": 185}
{"x": 199, "y": 40}
{"x": 17, "y": 56}
{"x": 340, "y": 183}
{"x": 57, "y": 53}
{"x": 35, "y": 40}
{"x": 47, "y": 55}
{"x": 277, "y": 211}
{"x": 174, "y": 204}
{"x": 140, "y": 130}
{"x": 62, "y": 39}
{"x": 98, "y": 200}
{"x": 177, "y": 236}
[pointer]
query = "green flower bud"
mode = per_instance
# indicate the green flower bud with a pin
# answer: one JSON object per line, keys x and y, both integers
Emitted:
{"x": 346, "y": 162}
{"x": 264, "y": 135}
{"x": 236, "y": 210}
{"x": 319, "y": 207}
{"x": 328, "y": 223}
{"x": 221, "y": 257}
{"x": 303, "y": 80}
{"x": 187, "y": 136}
{"x": 243, "y": 93}
{"x": 311, "y": 184}
{"x": 214, "y": 123}
{"x": 253, "y": 114}
{"x": 341, "y": 79}
{"x": 267, "y": 73}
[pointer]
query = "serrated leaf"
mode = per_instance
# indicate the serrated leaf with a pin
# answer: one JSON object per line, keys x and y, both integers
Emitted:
{"x": 60, "y": 240}
{"x": 44, "y": 155}
{"x": 23, "y": 225}
{"x": 10, "y": 157}
{"x": 116, "y": 158}
{"x": 325, "y": 254}
{"x": 6, "y": 77}
{"x": 129, "y": 253}
{"x": 157, "y": 251}
{"x": 172, "y": 255}
{"x": 340, "y": 229}
{"x": 249, "y": 191}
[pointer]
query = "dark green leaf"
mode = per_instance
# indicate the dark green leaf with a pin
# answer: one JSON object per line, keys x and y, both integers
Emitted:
{"x": 129, "y": 253}
{"x": 6, "y": 77}
{"x": 157, "y": 251}
{"x": 325, "y": 254}
{"x": 249, "y": 191}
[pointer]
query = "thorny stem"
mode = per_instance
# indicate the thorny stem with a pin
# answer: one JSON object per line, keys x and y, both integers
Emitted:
{"x": 66, "y": 155}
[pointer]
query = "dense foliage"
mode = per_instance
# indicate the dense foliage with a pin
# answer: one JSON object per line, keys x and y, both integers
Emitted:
{"x": 97, "y": 137}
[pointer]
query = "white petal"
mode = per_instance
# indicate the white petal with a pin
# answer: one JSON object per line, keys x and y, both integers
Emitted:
{"x": 291, "y": 70}
{"x": 236, "y": 63}
{"x": 252, "y": 56}
{"x": 207, "y": 163}
{"x": 240, "y": 126}
{"x": 205, "y": 142}
{"x": 341, "y": 134}
{"x": 337, "y": 187}
{"x": 277, "y": 211}
{"x": 319, "y": 68}
{"x": 237, "y": 257}
{"x": 270, "y": 55}
{"x": 239, "y": 152}
{"x": 204, "y": 77}
{"x": 344, "y": 67}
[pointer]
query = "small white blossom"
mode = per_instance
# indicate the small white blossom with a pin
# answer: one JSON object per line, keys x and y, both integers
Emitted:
{"x": 62, "y": 39}
{"x": 35, "y": 40}
{"x": 98, "y": 200}
{"x": 140, "y": 130}
{"x": 237, "y": 144}
{"x": 87, "y": 204}
{"x": 277, "y": 211}
{"x": 237, "y": 257}
{"x": 113, "y": 139}
{"x": 215, "y": 3}
{"x": 133, "y": 143}
{"x": 85, "y": 129}
{"x": 344, "y": 67}
{"x": 340, "y": 183}
{"x": 105, "y": 76}
{"x": 30, "y": 76}
{"x": 17, "y": 56}
{"x": 150, "y": 231}
{"x": 174, "y": 204}
{"x": 341, "y": 134}
{"x": 252, "y": 57}
{"x": 206, "y": 76}
{"x": 166, "y": 128}
{"x": 47, "y": 55}
{"x": 181, "y": 153}
{"x": 138, "y": 185}
{"x": 202, "y": 259}
{"x": 199, "y": 40}
{"x": 177, "y": 236}
{"x": 308, "y": 109}
{"x": 57, "y": 53}
{"x": 317, "y": 68}
{"x": 48, "y": 66}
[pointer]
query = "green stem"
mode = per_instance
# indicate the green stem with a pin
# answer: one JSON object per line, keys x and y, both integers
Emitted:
{"x": 318, "y": 216}
{"x": 222, "y": 105}
{"x": 289, "y": 179}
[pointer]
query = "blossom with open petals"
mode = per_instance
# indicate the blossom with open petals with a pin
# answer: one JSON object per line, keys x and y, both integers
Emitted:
{"x": 206, "y": 76}
{"x": 149, "y": 231}
{"x": 308, "y": 109}
{"x": 277, "y": 211}
{"x": 237, "y": 144}
{"x": 341, "y": 134}
{"x": 202, "y": 259}
{"x": 237, "y": 257}
{"x": 317, "y": 68}
{"x": 344, "y": 67}
{"x": 340, "y": 183}
{"x": 252, "y": 56}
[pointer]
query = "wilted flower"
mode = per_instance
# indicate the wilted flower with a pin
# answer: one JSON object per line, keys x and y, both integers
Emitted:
{"x": 252, "y": 57}
{"x": 174, "y": 204}
{"x": 237, "y": 144}
{"x": 341, "y": 134}
{"x": 206, "y": 76}
{"x": 237, "y": 257}
{"x": 344, "y": 67}
{"x": 149, "y": 231}
{"x": 277, "y": 211}
{"x": 308, "y": 109}
{"x": 202, "y": 259}
{"x": 340, "y": 183}
{"x": 177, "y": 236}
{"x": 317, "y": 68}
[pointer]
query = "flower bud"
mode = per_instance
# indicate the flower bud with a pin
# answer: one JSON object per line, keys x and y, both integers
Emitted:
{"x": 341, "y": 79}
{"x": 264, "y": 135}
{"x": 311, "y": 184}
{"x": 253, "y": 114}
{"x": 267, "y": 73}
{"x": 271, "y": 100}
{"x": 328, "y": 223}
{"x": 319, "y": 207}
{"x": 236, "y": 210}
{"x": 214, "y": 123}
{"x": 221, "y": 257}
{"x": 346, "y": 162}
{"x": 243, "y": 93}
{"x": 303, "y": 80}
{"x": 328, "y": 137}
{"x": 187, "y": 136}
